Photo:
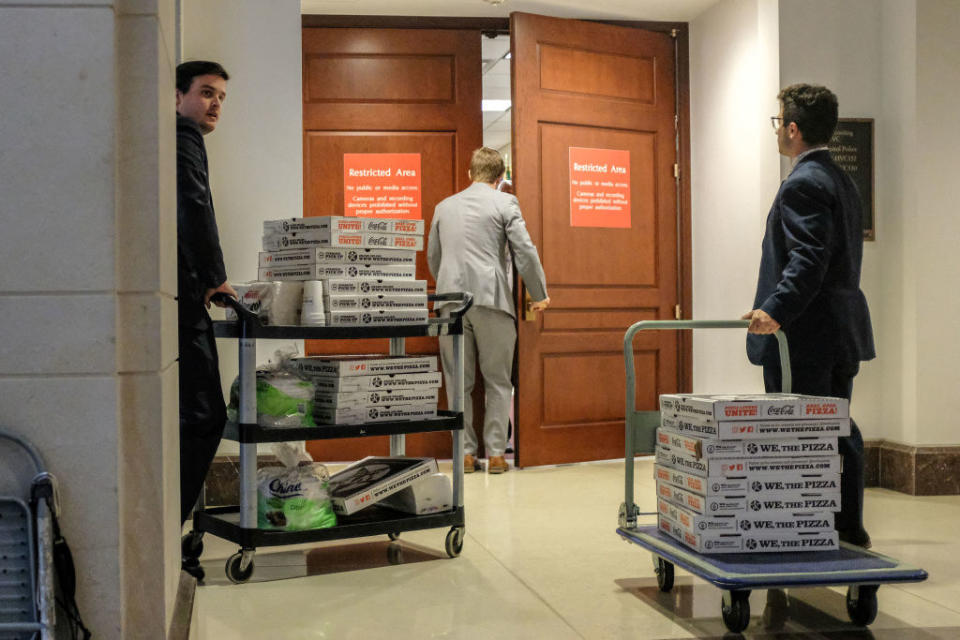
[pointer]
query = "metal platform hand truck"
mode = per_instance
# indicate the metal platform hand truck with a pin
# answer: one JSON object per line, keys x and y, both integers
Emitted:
{"x": 860, "y": 570}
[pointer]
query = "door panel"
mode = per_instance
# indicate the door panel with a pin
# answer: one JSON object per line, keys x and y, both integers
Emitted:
{"x": 578, "y": 84}
{"x": 388, "y": 91}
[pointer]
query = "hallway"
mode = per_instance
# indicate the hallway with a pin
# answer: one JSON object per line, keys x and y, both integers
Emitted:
{"x": 542, "y": 560}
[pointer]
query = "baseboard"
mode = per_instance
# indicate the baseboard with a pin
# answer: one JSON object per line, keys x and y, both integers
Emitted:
{"x": 917, "y": 471}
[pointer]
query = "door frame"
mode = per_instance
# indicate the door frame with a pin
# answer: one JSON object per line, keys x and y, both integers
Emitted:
{"x": 681, "y": 33}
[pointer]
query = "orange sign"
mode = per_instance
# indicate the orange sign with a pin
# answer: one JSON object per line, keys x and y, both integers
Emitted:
{"x": 599, "y": 188}
{"x": 382, "y": 185}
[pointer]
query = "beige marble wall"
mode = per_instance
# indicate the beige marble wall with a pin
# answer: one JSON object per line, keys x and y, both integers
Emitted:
{"x": 88, "y": 348}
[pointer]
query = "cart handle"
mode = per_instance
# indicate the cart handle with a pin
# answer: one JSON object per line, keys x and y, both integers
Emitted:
{"x": 465, "y": 298}
{"x": 787, "y": 381}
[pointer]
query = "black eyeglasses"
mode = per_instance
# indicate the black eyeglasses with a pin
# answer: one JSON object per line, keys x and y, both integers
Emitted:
{"x": 775, "y": 122}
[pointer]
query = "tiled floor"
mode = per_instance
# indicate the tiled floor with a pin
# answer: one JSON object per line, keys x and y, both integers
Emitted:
{"x": 542, "y": 560}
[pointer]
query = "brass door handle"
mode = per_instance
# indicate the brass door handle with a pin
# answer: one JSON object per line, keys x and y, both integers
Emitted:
{"x": 529, "y": 315}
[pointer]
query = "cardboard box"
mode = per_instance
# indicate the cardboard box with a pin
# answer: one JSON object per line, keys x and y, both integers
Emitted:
{"x": 746, "y": 487}
{"x": 355, "y": 302}
{"x": 712, "y": 543}
{"x": 343, "y": 223}
{"x": 770, "y": 406}
{"x": 376, "y": 317}
{"x": 362, "y": 414}
{"x": 333, "y": 255}
{"x": 364, "y": 365}
{"x": 312, "y": 238}
{"x": 743, "y": 467}
{"x": 710, "y": 448}
{"x": 693, "y": 522}
{"x": 429, "y": 494}
{"x": 338, "y": 271}
{"x": 384, "y": 286}
{"x": 755, "y": 429}
{"x": 372, "y": 479}
{"x": 754, "y": 541}
{"x": 336, "y": 384}
{"x": 370, "y": 398}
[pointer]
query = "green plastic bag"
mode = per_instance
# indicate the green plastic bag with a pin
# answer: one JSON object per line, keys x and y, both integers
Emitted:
{"x": 295, "y": 496}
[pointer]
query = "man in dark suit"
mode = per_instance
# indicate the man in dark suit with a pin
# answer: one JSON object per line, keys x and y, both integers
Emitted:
{"x": 201, "y": 89}
{"x": 809, "y": 282}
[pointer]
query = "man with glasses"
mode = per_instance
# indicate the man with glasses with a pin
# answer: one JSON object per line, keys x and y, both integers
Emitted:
{"x": 809, "y": 282}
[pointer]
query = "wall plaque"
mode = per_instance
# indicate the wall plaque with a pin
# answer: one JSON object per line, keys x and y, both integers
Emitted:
{"x": 852, "y": 149}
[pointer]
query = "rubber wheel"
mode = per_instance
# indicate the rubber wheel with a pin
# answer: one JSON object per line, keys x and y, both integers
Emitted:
{"x": 736, "y": 616}
{"x": 191, "y": 545}
{"x": 664, "y": 571}
{"x": 233, "y": 569}
{"x": 454, "y": 542}
{"x": 862, "y": 608}
{"x": 777, "y": 610}
{"x": 394, "y": 535}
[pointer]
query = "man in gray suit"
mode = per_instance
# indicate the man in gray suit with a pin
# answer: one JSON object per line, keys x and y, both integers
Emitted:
{"x": 472, "y": 236}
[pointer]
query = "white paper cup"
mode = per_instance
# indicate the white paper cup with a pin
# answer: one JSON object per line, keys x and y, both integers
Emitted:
{"x": 311, "y": 313}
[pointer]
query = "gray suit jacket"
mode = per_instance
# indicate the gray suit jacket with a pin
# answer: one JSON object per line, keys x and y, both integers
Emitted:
{"x": 468, "y": 244}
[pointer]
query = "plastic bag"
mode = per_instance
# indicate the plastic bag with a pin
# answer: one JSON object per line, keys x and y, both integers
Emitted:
{"x": 295, "y": 496}
{"x": 284, "y": 398}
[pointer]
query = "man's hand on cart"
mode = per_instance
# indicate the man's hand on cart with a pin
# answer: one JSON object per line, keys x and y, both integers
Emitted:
{"x": 760, "y": 322}
{"x": 223, "y": 288}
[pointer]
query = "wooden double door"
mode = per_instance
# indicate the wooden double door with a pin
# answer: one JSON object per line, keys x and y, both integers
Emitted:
{"x": 576, "y": 85}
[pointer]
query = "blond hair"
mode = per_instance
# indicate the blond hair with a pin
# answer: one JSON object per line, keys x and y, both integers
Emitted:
{"x": 486, "y": 165}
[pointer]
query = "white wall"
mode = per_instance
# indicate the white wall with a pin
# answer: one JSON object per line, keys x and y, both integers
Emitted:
{"x": 897, "y": 61}
{"x": 838, "y": 45}
{"x": 256, "y": 152}
{"x": 735, "y": 175}
{"x": 936, "y": 223}
{"x": 88, "y": 355}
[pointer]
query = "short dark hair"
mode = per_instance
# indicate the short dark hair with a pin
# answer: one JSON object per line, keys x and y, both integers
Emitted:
{"x": 187, "y": 71}
{"x": 813, "y": 108}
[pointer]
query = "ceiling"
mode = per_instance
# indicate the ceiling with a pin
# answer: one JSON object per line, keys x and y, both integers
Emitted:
{"x": 496, "y": 67}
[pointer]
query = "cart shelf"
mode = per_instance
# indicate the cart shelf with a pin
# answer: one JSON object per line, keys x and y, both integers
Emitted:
{"x": 224, "y": 522}
{"x": 445, "y": 421}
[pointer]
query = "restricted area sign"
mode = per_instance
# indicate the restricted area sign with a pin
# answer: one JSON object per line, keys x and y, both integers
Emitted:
{"x": 599, "y": 188}
{"x": 382, "y": 185}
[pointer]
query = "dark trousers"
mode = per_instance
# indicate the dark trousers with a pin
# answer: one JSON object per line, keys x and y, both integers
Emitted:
{"x": 202, "y": 412}
{"x": 834, "y": 380}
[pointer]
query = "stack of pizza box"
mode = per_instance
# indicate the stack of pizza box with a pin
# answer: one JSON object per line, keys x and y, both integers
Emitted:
{"x": 750, "y": 473}
{"x": 356, "y": 389}
{"x": 367, "y": 266}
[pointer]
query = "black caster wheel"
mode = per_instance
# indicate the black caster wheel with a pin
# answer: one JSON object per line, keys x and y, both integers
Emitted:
{"x": 394, "y": 535}
{"x": 191, "y": 546}
{"x": 862, "y": 604}
{"x": 234, "y": 574}
{"x": 735, "y": 609}
{"x": 776, "y": 611}
{"x": 194, "y": 569}
{"x": 454, "y": 543}
{"x": 664, "y": 571}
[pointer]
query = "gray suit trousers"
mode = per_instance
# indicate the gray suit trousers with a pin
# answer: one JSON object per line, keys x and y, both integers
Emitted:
{"x": 489, "y": 335}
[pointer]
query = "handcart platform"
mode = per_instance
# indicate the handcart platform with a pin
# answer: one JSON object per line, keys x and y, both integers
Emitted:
{"x": 848, "y": 565}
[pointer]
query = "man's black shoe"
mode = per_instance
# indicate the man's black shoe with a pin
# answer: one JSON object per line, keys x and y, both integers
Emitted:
{"x": 858, "y": 538}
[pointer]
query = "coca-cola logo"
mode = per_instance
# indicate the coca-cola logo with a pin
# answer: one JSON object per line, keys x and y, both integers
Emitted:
{"x": 780, "y": 411}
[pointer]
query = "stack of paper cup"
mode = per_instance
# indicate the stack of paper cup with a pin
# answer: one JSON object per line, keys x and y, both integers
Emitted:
{"x": 312, "y": 310}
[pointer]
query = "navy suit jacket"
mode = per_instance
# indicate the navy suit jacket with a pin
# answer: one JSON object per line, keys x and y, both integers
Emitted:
{"x": 199, "y": 257}
{"x": 810, "y": 269}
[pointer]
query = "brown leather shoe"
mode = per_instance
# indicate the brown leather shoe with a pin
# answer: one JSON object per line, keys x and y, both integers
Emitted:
{"x": 497, "y": 464}
{"x": 470, "y": 464}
